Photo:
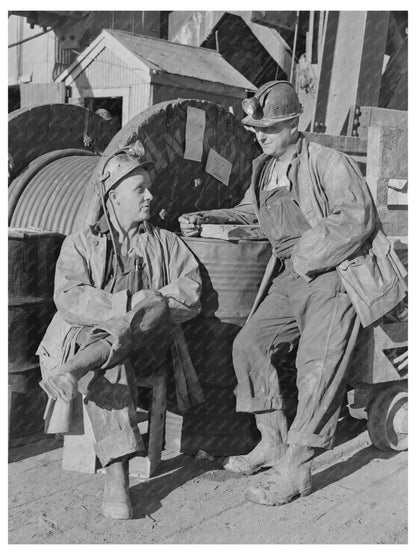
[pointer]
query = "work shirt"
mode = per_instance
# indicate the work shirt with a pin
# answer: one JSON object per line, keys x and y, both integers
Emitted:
{"x": 130, "y": 276}
{"x": 279, "y": 169}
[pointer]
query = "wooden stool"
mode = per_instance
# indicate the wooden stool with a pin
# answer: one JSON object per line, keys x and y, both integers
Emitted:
{"x": 144, "y": 467}
{"x": 79, "y": 454}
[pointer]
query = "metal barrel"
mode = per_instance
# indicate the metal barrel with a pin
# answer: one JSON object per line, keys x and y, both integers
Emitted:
{"x": 231, "y": 275}
{"x": 31, "y": 267}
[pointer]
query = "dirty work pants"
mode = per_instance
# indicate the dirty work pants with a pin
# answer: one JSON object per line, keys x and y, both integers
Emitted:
{"x": 111, "y": 394}
{"x": 320, "y": 315}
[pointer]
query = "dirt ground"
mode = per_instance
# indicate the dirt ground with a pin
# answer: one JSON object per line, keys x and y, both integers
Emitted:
{"x": 359, "y": 497}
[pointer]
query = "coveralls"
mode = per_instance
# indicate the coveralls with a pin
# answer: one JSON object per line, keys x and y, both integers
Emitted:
{"x": 324, "y": 215}
{"x": 91, "y": 307}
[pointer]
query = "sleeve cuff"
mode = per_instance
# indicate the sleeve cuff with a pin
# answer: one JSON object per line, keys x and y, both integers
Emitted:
{"x": 120, "y": 302}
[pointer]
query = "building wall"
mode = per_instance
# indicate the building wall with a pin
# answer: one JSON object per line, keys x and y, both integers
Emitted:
{"x": 109, "y": 76}
{"x": 32, "y": 61}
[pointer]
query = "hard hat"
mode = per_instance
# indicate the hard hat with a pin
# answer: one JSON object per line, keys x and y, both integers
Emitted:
{"x": 122, "y": 162}
{"x": 273, "y": 102}
{"x": 103, "y": 113}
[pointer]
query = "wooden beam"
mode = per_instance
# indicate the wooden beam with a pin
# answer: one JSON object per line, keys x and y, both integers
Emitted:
{"x": 319, "y": 118}
{"x": 371, "y": 66}
{"x": 351, "y": 67}
{"x": 370, "y": 116}
{"x": 276, "y": 19}
{"x": 349, "y": 145}
{"x": 396, "y": 69}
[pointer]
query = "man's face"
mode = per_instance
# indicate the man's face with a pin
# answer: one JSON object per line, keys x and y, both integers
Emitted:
{"x": 131, "y": 198}
{"x": 275, "y": 139}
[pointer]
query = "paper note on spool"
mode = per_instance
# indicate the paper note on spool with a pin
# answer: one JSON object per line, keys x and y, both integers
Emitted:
{"x": 218, "y": 167}
{"x": 194, "y": 134}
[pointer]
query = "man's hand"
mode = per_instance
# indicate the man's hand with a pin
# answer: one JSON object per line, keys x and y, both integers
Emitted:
{"x": 191, "y": 224}
{"x": 142, "y": 295}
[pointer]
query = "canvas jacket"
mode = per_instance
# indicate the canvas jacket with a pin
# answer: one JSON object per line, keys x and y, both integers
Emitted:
{"x": 81, "y": 300}
{"x": 345, "y": 233}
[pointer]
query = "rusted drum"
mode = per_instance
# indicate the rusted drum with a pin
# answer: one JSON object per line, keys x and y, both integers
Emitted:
{"x": 32, "y": 260}
{"x": 231, "y": 275}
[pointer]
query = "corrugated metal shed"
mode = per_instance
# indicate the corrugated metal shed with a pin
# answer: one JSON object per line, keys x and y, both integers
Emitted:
{"x": 143, "y": 71}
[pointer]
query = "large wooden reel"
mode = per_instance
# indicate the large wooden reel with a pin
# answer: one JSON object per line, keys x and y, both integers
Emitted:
{"x": 181, "y": 185}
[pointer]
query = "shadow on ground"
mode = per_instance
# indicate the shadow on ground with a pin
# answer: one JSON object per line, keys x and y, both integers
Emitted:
{"x": 146, "y": 497}
{"x": 349, "y": 466}
{"x": 24, "y": 448}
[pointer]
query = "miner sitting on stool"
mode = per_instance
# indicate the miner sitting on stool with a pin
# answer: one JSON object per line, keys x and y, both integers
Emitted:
{"x": 121, "y": 289}
{"x": 314, "y": 206}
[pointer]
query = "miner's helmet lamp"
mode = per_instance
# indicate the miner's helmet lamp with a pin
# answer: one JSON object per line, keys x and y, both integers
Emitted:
{"x": 273, "y": 102}
{"x": 123, "y": 162}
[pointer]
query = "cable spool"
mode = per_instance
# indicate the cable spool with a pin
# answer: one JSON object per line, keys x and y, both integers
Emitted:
{"x": 49, "y": 194}
{"x": 180, "y": 185}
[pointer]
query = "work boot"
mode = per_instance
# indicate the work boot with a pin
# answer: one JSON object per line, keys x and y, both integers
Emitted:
{"x": 62, "y": 382}
{"x": 294, "y": 479}
{"x": 271, "y": 448}
{"x": 116, "y": 500}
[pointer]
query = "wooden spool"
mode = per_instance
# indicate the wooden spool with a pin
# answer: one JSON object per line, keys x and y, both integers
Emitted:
{"x": 180, "y": 185}
{"x": 40, "y": 129}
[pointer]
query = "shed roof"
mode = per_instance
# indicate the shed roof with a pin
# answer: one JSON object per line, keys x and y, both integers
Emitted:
{"x": 162, "y": 56}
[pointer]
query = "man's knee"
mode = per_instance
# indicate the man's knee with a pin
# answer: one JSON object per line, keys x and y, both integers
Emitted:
{"x": 247, "y": 342}
{"x": 161, "y": 306}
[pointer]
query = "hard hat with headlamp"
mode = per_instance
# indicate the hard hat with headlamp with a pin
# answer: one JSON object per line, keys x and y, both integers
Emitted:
{"x": 274, "y": 101}
{"x": 123, "y": 162}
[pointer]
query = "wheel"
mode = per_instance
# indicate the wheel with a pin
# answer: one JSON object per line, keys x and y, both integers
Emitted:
{"x": 387, "y": 419}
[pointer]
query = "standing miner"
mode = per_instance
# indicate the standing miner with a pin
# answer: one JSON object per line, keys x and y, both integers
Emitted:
{"x": 121, "y": 289}
{"x": 316, "y": 210}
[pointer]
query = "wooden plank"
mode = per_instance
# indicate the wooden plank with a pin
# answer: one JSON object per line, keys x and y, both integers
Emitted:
{"x": 386, "y": 159}
{"x": 310, "y": 36}
{"x": 349, "y": 145}
{"x": 157, "y": 422}
{"x": 397, "y": 194}
{"x": 371, "y": 116}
